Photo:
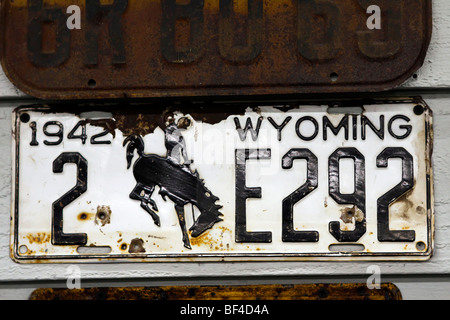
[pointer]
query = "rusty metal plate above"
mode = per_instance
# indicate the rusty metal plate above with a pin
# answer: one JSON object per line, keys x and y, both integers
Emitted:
{"x": 134, "y": 48}
{"x": 253, "y": 182}
{"x": 321, "y": 291}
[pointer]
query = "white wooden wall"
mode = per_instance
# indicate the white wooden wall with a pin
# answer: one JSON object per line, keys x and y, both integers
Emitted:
{"x": 416, "y": 280}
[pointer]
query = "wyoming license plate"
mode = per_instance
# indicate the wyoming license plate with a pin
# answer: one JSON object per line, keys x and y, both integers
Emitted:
{"x": 153, "y": 183}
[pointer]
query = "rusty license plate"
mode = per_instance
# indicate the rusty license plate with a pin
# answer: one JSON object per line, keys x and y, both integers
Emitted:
{"x": 297, "y": 182}
{"x": 74, "y": 49}
{"x": 320, "y": 291}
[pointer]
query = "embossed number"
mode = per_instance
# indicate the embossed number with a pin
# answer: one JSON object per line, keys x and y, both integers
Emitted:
{"x": 227, "y": 27}
{"x": 173, "y": 12}
{"x": 319, "y": 25}
{"x": 58, "y": 236}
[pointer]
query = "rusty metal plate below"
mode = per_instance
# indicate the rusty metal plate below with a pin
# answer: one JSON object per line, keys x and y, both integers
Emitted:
{"x": 299, "y": 182}
{"x": 326, "y": 291}
{"x": 132, "y": 48}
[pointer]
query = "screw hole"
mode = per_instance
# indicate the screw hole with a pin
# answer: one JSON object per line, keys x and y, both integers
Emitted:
{"x": 23, "y": 249}
{"x": 353, "y": 247}
{"x": 92, "y": 83}
{"x": 420, "y": 246}
{"x": 418, "y": 109}
{"x": 334, "y": 77}
{"x": 94, "y": 249}
{"x": 24, "y": 117}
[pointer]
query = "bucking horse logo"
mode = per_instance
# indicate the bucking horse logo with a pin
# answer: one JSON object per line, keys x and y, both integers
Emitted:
{"x": 176, "y": 181}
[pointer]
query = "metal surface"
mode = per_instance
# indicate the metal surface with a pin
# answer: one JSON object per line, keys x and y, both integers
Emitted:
{"x": 199, "y": 48}
{"x": 332, "y": 291}
{"x": 234, "y": 184}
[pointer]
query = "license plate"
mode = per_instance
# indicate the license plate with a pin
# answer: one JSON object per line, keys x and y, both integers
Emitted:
{"x": 231, "y": 182}
{"x": 64, "y": 49}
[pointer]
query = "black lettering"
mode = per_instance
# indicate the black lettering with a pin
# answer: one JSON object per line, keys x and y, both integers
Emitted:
{"x": 41, "y": 18}
{"x": 357, "y": 198}
{"x": 354, "y": 127}
{"x": 279, "y": 127}
{"x": 407, "y": 183}
{"x": 327, "y": 124}
{"x": 58, "y": 237}
{"x": 407, "y": 128}
{"x": 243, "y": 193}
{"x": 99, "y": 135}
{"x": 316, "y": 128}
{"x": 98, "y": 15}
{"x": 248, "y": 127}
{"x": 81, "y": 136}
{"x": 59, "y": 133}
{"x": 288, "y": 232}
{"x": 33, "y": 141}
{"x": 366, "y": 122}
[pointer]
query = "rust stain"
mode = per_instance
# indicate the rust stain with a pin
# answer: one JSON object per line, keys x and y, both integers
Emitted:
{"x": 323, "y": 291}
{"x": 401, "y": 208}
{"x": 184, "y": 123}
{"x": 421, "y": 210}
{"x": 136, "y": 246}
{"x": 213, "y": 242}
{"x": 84, "y": 216}
{"x": 39, "y": 238}
{"x": 136, "y": 118}
{"x": 350, "y": 214}
{"x": 103, "y": 215}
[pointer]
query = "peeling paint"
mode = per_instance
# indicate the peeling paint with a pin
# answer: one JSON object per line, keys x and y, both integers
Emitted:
{"x": 103, "y": 215}
{"x": 136, "y": 246}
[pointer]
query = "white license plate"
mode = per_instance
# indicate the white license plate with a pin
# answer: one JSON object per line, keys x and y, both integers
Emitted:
{"x": 148, "y": 183}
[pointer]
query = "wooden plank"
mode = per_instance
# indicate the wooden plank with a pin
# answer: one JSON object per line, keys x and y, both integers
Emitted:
{"x": 439, "y": 263}
{"x": 433, "y": 74}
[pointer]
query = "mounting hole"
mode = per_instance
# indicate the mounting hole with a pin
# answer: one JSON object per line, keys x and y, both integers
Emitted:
{"x": 23, "y": 249}
{"x": 96, "y": 115}
{"x": 94, "y": 249}
{"x": 24, "y": 117}
{"x": 334, "y": 77}
{"x": 351, "y": 247}
{"x": 421, "y": 246}
{"x": 418, "y": 109}
{"x": 92, "y": 83}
